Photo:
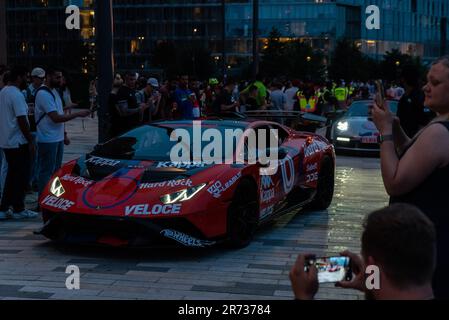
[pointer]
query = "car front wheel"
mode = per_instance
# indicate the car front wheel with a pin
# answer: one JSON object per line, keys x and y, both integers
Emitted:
{"x": 243, "y": 215}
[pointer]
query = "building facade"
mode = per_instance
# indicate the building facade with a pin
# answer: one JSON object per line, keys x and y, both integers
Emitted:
{"x": 3, "y": 51}
{"x": 36, "y": 32}
{"x": 413, "y": 27}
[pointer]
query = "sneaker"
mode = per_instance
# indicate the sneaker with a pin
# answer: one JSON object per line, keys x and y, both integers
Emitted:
{"x": 4, "y": 215}
{"x": 25, "y": 214}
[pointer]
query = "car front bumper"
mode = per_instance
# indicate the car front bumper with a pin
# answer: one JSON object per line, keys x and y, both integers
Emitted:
{"x": 121, "y": 231}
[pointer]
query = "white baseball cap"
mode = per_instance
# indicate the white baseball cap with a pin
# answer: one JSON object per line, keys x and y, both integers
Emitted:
{"x": 38, "y": 72}
{"x": 153, "y": 82}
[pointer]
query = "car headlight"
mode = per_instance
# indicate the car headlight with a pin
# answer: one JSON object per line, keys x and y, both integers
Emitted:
{"x": 56, "y": 188}
{"x": 343, "y": 126}
{"x": 183, "y": 195}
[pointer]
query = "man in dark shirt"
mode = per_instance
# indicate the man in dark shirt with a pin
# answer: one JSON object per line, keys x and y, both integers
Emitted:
{"x": 184, "y": 98}
{"x": 411, "y": 105}
{"x": 128, "y": 113}
{"x": 225, "y": 101}
{"x": 251, "y": 102}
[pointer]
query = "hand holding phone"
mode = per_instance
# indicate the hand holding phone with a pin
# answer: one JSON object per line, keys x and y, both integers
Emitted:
{"x": 380, "y": 96}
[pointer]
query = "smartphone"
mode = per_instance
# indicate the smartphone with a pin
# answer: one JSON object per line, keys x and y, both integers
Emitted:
{"x": 380, "y": 96}
{"x": 332, "y": 269}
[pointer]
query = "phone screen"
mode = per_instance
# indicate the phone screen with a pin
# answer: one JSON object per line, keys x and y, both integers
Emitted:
{"x": 333, "y": 269}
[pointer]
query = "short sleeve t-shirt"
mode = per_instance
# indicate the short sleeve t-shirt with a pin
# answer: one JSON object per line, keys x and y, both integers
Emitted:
{"x": 225, "y": 98}
{"x": 12, "y": 106}
{"x": 133, "y": 121}
{"x": 47, "y": 130}
{"x": 185, "y": 105}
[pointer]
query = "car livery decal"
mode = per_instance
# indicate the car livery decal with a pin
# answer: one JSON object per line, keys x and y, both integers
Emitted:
{"x": 217, "y": 189}
{"x": 171, "y": 184}
{"x": 315, "y": 147}
{"x": 181, "y": 165}
{"x": 288, "y": 177}
{"x": 185, "y": 239}
{"x": 149, "y": 210}
{"x": 58, "y": 203}
{"x": 110, "y": 206}
{"x": 77, "y": 180}
{"x": 103, "y": 162}
{"x": 267, "y": 192}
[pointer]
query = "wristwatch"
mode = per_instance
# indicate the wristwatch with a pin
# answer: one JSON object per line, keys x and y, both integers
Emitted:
{"x": 381, "y": 139}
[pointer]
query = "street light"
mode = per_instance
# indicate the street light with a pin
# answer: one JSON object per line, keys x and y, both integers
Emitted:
{"x": 398, "y": 63}
{"x": 309, "y": 58}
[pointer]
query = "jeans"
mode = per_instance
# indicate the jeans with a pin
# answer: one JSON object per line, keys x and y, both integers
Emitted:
{"x": 49, "y": 161}
{"x": 34, "y": 164}
{"x": 17, "y": 178}
{"x": 3, "y": 171}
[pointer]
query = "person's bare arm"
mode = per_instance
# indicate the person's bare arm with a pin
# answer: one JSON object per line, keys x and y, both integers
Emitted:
{"x": 401, "y": 140}
{"x": 125, "y": 111}
{"x": 62, "y": 118}
{"x": 229, "y": 107}
{"x": 427, "y": 154}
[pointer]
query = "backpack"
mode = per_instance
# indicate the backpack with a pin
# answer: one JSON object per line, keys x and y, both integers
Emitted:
{"x": 46, "y": 89}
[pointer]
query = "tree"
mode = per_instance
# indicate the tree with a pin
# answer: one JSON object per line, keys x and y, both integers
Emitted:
{"x": 394, "y": 61}
{"x": 273, "y": 61}
{"x": 347, "y": 61}
{"x": 301, "y": 61}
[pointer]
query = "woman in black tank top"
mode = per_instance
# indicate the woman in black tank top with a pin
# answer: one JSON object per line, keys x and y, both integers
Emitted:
{"x": 416, "y": 171}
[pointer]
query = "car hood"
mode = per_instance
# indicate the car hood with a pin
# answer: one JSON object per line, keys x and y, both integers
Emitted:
{"x": 99, "y": 168}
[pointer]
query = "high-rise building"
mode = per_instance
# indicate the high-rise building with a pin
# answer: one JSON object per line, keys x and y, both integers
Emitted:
{"x": 3, "y": 52}
{"x": 413, "y": 27}
{"x": 146, "y": 30}
{"x": 37, "y": 33}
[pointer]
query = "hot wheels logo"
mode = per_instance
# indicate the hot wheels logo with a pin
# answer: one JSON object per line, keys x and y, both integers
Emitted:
{"x": 185, "y": 239}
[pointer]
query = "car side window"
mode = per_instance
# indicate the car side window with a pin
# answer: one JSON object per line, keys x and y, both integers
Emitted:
{"x": 282, "y": 134}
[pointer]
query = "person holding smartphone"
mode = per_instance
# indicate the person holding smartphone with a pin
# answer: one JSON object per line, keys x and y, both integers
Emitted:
{"x": 400, "y": 241}
{"x": 415, "y": 170}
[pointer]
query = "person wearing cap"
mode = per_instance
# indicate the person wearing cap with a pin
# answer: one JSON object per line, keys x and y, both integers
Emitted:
{"x": 151, "y": 97}
{"x": 37, "y": 81}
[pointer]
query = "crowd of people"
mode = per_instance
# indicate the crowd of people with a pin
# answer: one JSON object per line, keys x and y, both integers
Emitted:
{"x": 33, "y": 110}
{"x": 407, "y": 240}
{"x": 136, "y": 100}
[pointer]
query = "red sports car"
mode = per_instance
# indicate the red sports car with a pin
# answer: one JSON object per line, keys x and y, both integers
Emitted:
{"x": 128, "y": 192}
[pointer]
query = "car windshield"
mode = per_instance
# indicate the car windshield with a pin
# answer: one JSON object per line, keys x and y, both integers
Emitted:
{"x": 360, "y": 108}
{"x": 152, "y": 142}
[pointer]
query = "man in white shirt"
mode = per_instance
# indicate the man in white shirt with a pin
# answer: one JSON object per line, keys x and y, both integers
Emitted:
{"x": 16, "y": 142}
{"x": 3, "y": 165}
{"x": 51, "y": 135}
{"x": 290, "y": 95}
{"x": 37, "y": 80}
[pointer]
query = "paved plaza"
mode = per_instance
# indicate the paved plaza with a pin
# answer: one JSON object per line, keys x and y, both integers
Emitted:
{"x": 33, "y": 268}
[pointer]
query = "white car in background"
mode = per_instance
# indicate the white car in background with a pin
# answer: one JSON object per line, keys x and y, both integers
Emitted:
{"x": 354, "y": 131}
